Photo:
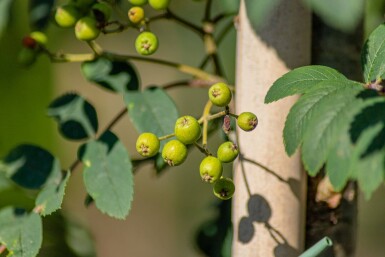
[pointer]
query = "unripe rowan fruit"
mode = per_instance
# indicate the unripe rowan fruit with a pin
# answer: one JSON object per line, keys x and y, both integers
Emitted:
{"x": 138, "y": 2}
{"x": 247, "y": 121}
{"x": 67, "y": 15}
{"x": 86, "y": 29}
{"x": 27, "y": 56}
{"x": 174, "y": 153}
{"x": 220, "y": 94}
{"x": 159, "y": 4}
{"x": 187, "y": 130}
{"x": 224, "y": 188}
{"x": 147, "y": 144}
{"x": 227, "y": 152}
{"x": 39, "y": 37}
{"x": 146, "y": 43}
{"x": 210, "y": 169}
{"x": 136, "y": 14}
{"x": 101, "y": 11}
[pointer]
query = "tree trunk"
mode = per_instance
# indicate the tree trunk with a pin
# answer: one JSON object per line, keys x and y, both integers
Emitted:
{"x": 337, "y": 222}
{"x": 269, "y": 204}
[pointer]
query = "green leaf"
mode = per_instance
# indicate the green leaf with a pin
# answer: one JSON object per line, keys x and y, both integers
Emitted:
{"x": 299, "y": 115}
{"x": 28, "y": 166}
{"x": 5, "y": 10}
{"x": 51, "y": 197}
{"x": 39, "y": 13}
{"x": 370, "y": 172}
{"x": 373, "y": 55}
{"x": 299, "y": 80}
{"x": 152, "y": 111}
{"x": 339, "y": 162}
{"x": 340, "y": 14}
{"x": 117, "y": 76}
{"x": 108, "y": 175}
{"x": 20, "y": 232}
{"x": 331, "y": 117}
{"x": 258, "y": 11}
{"x": 77, "y": 118}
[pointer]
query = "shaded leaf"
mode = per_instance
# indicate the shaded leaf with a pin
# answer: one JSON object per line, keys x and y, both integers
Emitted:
{"x": 39, "y": 13}
{"x": 20, "y": 232}
{"x": 258, "y": 11}
{"x": 77, "y": 118}
{"x": 108, "y": 175}
{"x": 373, "y": 55}
{"x": 340, "y": 14}
{"x": 229, "y": 6}
{"x": 28, "y": 166}
{"x": 332, "y": 116}
{"x": 299, "y": 80}
{"x": 117, "y": 76}
{"x": 152, "y": 111}
{"x": 51, "y": 197}
{"x": 5, "y": 10}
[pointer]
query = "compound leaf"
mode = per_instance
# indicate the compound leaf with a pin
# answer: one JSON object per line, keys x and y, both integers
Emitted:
{"x": 117, "y": 76}
{"x": 51, "y": 197}
{"x": 299, "y": 80}
{"x": 299, "y": 115}
{"x": 108, "y": 175}
{"x": 20, "y": 232}
{"x": 76, "y": 117}
{"x": 28, "y": 166}
{"x": 332, "y": 117}
{"x": 373, "y": 55}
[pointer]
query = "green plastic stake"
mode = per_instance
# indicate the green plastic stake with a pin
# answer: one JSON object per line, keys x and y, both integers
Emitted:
{"x": 318, "y": 248}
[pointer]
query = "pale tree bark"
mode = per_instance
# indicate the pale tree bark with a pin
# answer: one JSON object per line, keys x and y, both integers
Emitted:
{"x": 269, "y": 204}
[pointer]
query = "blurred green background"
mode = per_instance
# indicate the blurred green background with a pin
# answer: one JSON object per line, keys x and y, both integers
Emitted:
{"x": 167, "y": 210}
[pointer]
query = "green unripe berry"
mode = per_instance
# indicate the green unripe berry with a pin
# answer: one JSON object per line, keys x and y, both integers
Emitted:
{"x": 147, "y": 144}
{"x": 101, "y": 11}
{"x": 220, "y": 94}
{"x": 136, "y": 14}
{"x": 159, "y": 4}
{"x": 174, "y": 153}
{"x": 86, "y": 29}
{"x": 227, "y": 152}
{"x": 224, "y": 188}
{"x": 247, "y": 121}
{"x": 27, "y": 56}
{"x": 67, "y": 15}
{"x": 210, "y": 169}
{"x": 39, "y": 37}
{"x": 187, "y": 130}
{"x": 138, "y": 2}
{"x": 146, "y": 43}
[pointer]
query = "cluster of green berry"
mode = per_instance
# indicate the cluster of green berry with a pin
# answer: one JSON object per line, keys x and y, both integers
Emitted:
{"x": 188, "y": 131}
{"x": 86, "y": 16}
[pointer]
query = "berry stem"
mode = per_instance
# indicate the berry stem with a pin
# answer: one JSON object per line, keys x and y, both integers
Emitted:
{"x": 98, "y": 50}
{"x": 207, "y": 10}
{"x": 166, "y": 137}
{"x": 171, "y": 15}
{"x": 206, "y": 113}
{"x": 204, "y": 150}
{"x": 233, "y": 115}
